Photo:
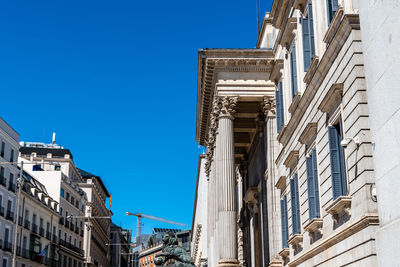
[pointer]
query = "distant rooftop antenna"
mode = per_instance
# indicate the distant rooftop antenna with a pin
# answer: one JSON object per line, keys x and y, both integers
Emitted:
{"x": 54, "y": 138}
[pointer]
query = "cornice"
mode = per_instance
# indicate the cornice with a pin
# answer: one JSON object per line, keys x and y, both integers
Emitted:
{"x": 279, "y": 12}
{"x": 212, "y": 61}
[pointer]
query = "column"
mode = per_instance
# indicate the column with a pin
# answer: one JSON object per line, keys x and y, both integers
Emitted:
{"x": 273, "y": 196}
{"x": 225, "y": 189}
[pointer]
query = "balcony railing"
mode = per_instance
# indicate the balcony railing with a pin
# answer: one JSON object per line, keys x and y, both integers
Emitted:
{"x": 25, "y": 253}
{"x": 61, "y": 220}
{"x": 27, "y": 223}
{"x": 41, "y": 231}
{"x": 2, "y": 180}
{"x": 7, "y": 246}
{"x": 34, "y": 228}
{"x": 11, "y": 187}
{"x": 48, "y": 235}
{"x": 10, "y": 215}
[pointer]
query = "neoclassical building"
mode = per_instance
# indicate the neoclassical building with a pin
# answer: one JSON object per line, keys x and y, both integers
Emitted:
{"x": 286, "y": 125}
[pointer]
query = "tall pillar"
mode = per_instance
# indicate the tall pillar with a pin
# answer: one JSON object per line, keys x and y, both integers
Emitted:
{"x": 225, "y": 189}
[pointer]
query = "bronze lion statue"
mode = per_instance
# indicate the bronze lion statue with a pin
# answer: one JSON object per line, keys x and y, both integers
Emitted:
{"x": 172, "y": 253}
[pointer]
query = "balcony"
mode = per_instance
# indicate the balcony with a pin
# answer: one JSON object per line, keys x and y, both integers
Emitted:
{"x": 7, "y": 246}
{"x": 2, "y": 180}
{"x": 11, "y": 187}
{"x": 10, "y": 215}
{"x": 18, "y": 251}
{"x": 41, "y": 231}
{"x": 25, "y": 253}
{"x": 48, "y": 235}
{"x": 26, "y": 224}
{"x": 34, "y": 228}
{"x": 61, "y": 221}
{"x": 2, "y": 211}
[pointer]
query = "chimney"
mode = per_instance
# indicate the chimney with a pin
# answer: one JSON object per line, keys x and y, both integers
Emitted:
{"x": 54, "y": 138}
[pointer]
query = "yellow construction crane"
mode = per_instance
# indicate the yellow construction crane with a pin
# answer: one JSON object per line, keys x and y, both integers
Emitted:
{"x": 139, "y": 223}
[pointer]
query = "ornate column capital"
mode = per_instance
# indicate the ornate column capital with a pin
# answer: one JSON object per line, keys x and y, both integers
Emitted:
{"x": 268, "y": 106}
{"x": 227, "y": 106}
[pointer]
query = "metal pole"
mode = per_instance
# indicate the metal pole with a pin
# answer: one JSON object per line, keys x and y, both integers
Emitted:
{"x": 19, "y": 184}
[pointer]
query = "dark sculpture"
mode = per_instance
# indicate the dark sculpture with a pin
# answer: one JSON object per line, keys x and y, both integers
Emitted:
{"x": 173, "y": 254}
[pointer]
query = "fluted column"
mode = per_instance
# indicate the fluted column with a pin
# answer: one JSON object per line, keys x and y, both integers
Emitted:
{"x": 225, "y": 189}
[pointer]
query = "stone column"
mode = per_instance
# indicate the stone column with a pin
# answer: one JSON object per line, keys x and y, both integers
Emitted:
{"x": 273, "y": 195}
{"x": 225, "y": 171}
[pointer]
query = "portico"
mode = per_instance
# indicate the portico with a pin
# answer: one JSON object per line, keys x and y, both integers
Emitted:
{"x": 235, "y": 98}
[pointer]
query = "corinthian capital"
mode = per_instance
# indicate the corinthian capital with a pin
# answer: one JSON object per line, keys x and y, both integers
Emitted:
{"x": 268, "y": 106}
{"x": 228, "y": 105}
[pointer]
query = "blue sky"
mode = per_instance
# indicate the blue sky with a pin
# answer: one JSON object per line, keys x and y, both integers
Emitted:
{"x": 117, "y": 81}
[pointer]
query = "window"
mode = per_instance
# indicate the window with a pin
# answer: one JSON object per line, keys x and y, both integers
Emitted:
{"x": 284, "y": 220}
{"x": 313, "y": 186}
{"x": 72, "y": 200}
{"x": 12, "y": 155}
{"x": 338, "y": 168}
{"x": 4, "y": 262}
{"x": 308, "y": 37}
{"x": 332, "y": 8}
{"x": 293, "y": 69}
{"x": 67, "y": 196}
{"x": 62, "y": 192}
{"x": 3, "y": 147}
{"x": 294, "y": 193}
{"x": 57, "y": 167}
{"x": 279, "y": 107}
{"x": 2, "y": 172}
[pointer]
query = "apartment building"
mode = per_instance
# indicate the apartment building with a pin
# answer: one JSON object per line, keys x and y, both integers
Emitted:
{"x": 8, "y": 174}
{"x": 96, "y": 229}
{"x": 53, "y": 166}
{"x": 37, "y": 226}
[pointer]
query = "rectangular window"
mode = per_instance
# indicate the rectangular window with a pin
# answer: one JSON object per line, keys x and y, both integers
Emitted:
{"x": 294, "y": 193}
{"x": 308, "y": 38}
{"x": 293, "y": 69}
{"x": 332, "y": 8}
{"x": 284, "y": 220}
{"x": 12, "y": 155}
{"x": 338, "y": 167}
{"x": 313, "y": 186}
{"x": 279, "y": 107}
{"x": 67, "y": 196}
{"x": 62, "y": 192}
{"x": 3, "y": 148}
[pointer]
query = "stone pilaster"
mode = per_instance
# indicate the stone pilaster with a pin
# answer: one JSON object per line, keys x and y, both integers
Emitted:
{"x": 225, "y": 171}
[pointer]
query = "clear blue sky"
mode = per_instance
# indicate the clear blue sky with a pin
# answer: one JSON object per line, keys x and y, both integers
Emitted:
{"x": 117, "y": 81}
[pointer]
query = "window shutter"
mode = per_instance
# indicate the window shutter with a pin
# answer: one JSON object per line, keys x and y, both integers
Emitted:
{"x": 285, "y": 234}
{"x": 311, "y": 188}
{"x": 293, "y": 200}
{"x": 293, "y": 68}
{"x": 335, "y": 162}
{"x": 282, "y": 119}
{"x": 332, "y": 8}
{"x": 311, "y": 27}
{"x": 278, "y": 108}
{"x": 341, "y": 157}
{"x": 297, "y": 196}
{"x": 306, "y": 43}
{"x": 316, "y": 184}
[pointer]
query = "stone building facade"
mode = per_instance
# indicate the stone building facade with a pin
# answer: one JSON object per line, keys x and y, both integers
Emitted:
{"x": 288, "y": 138}
{"x": 53, "y": 166}
{"x": 37, "y": 243}
{"x": 96, "y": 230}
{"x": 8, "y": 174}
{"x": 199, "y": 221}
